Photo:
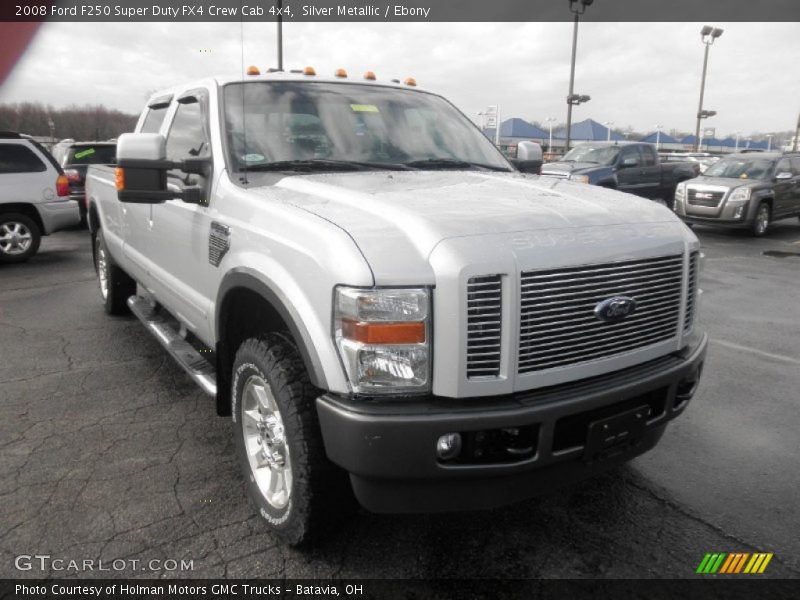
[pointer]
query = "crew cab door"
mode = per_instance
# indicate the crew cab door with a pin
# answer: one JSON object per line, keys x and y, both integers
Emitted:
{"x": 651, "y": 180}
{"x": 785, "y": 190}
{"x": 178, "y": 237}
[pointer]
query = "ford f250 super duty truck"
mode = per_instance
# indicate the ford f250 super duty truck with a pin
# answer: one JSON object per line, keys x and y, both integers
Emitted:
{"x": 632, "y": 167}
{"x": 383, "y": 304}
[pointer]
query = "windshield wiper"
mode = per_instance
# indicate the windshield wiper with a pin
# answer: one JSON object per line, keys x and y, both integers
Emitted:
{"x": 323, "y": 164}
{"x": 449, "y": 163}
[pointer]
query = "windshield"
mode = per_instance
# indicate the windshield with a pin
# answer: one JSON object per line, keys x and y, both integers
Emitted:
{"x": 741, "y": 168}
{"x": 371, "y": 125}
{"x": 91, "y": 155}
{"x": 601, "y": 155}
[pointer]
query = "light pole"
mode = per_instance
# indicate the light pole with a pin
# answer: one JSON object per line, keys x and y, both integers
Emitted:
{"x": 578, "y": 7}
{"x": 280, "y": 35}
{"x": 707, "y": 34}
{"x": 769, "y": 142}
{"x": 796, "y": 135}
{"x": 550, "y": 121}
{"x": 608, "y": 125}
{"x": 658, "y": 137}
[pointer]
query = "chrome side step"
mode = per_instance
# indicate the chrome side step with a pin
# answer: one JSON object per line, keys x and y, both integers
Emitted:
{"x": 182, "y": 351}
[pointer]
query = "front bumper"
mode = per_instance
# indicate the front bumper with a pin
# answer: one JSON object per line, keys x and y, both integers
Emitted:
{"x": 389, "y": 448}
{"x": 58, "y": 214}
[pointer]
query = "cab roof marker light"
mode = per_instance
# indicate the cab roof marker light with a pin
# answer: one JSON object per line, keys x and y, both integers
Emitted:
{"x": 369, "y": 76}
{"x": 411, "y": 81}
{"x": 309, "y": 71}
{"x": 253, "y": 70}
{"x": 340, "y": 73}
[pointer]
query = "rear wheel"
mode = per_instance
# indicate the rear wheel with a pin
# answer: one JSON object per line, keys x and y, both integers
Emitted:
{"x": 116, "y": 286}
{"x": 19, "y": 237}
{"x": 289, "y": 477}
{"x": 761, "y": 220}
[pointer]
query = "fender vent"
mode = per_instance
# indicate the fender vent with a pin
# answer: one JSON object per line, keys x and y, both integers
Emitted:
{"x": 484, "y": 325}
{"x": 219, "y": 240}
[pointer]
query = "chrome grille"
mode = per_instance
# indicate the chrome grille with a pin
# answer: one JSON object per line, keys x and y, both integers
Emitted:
{"x": 557, "y": 322}
{"x": 703, "y": 198}
{"x": 691, "y": 292}
{"x": 484, "y": 325}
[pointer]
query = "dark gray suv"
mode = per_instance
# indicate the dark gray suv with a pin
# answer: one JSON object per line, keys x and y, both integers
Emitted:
{"x": 744, "y": 191}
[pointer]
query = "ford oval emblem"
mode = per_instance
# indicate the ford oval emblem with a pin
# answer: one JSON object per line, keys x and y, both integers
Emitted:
{"x": 615, "y": 309}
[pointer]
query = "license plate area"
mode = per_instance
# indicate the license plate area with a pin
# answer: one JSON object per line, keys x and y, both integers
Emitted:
{"x": 614, "y": 435}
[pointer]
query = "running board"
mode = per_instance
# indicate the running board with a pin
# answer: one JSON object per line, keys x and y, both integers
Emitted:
{"x": 182, "y": 351}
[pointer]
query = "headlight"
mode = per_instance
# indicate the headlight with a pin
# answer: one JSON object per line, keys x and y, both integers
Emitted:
{"x": 741, "y": 194}
{"x": 680, "y": 191}
{"x": 580, "y": 178}
{"x": 383, "y": 339}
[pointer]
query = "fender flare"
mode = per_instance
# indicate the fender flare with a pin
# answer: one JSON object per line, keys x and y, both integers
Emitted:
{"x": 242, "y": 277}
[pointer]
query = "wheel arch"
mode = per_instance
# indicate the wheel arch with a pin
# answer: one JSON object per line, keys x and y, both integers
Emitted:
{"x": 23, "y": 208}
{"x": 242, "y": 290}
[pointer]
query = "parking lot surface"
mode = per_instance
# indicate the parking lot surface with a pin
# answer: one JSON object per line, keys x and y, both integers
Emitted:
{"x": 108, "y": 451}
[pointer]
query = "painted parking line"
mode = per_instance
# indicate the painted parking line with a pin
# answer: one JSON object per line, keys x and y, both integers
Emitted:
{"x": 789, "y": 359}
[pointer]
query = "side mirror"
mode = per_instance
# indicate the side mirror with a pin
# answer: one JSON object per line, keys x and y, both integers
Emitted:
{"x": 627, "y": 163}
{"x": 529, "y": 158}
{"x": 782, "y": 176}
{"x": 141, "y": 175}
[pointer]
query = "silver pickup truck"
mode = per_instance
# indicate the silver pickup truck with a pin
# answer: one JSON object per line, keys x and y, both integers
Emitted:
{"x": 384, "y": 304}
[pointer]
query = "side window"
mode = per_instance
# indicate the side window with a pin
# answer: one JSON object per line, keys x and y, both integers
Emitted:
{"x": 187, "y": 136}
{"x": 154, "y": 119}
{"x": 16, "y": 158}
{"x": 648, "y": 156}
{"x": 630, "y": 152}
{"x": 796, "y": 165}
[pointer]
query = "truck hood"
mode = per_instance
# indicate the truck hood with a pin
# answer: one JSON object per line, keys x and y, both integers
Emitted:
{"x": 726, "y": 182}
{"x": 398, "y": 218}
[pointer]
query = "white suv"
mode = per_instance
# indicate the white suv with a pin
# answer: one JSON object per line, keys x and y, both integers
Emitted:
{"x": 34, "y": 197}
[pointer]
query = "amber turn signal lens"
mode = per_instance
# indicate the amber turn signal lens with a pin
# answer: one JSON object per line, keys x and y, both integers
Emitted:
{"x": 62, "y": 186}
{"x": 383, "y": 333}
{"x": 119, "y": 178}
{"x": 369, "y": 75}
{"x": 340, "y": 73}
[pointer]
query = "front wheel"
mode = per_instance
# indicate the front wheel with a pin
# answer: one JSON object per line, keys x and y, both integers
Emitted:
{"x": 278, "y": 441}
{"x": 761, "y": 221}
{"x": 116, "y": 286}
{"x": 19, "y": 238}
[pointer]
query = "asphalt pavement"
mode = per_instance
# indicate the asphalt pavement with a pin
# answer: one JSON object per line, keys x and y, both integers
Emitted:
{"x": 108, "y": 451}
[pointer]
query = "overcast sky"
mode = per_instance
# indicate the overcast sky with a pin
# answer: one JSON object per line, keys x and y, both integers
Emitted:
{"x": 638, "y": 74}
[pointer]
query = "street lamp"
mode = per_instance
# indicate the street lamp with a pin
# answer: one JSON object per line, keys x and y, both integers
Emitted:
{"x": 550, "y": 121}
{"x": 608, "y": 125}
{"x": 658, "y": 137}
{"x": 708, "y": 35}
{"x": 578, "y": 7}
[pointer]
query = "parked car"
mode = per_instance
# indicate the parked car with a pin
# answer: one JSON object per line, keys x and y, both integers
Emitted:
{"x": 747, "y": 190}
{"x": 382, "y": 302}
{"x": 34, "y": 197}
{"x": 632, "y": 167}
{"x": 703, "y": 159}
{"x": 76, "y": 157}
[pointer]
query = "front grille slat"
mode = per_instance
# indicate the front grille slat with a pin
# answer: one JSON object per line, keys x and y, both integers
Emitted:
{"x": 557, "y": 323}
{"x": 484, "y": 326}
{"x": 709, "y": 199}
{"x": 691, "y": 292}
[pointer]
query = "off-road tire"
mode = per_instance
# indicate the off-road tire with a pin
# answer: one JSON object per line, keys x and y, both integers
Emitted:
{"x": 318, "y": 487}
{"x": 31, "y": 229}
{"x": 761, "y": 226}
{"x": 119, "y": 286}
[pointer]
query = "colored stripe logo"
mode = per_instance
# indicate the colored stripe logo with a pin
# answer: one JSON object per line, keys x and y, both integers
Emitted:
{"x": 734, "y": 563}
